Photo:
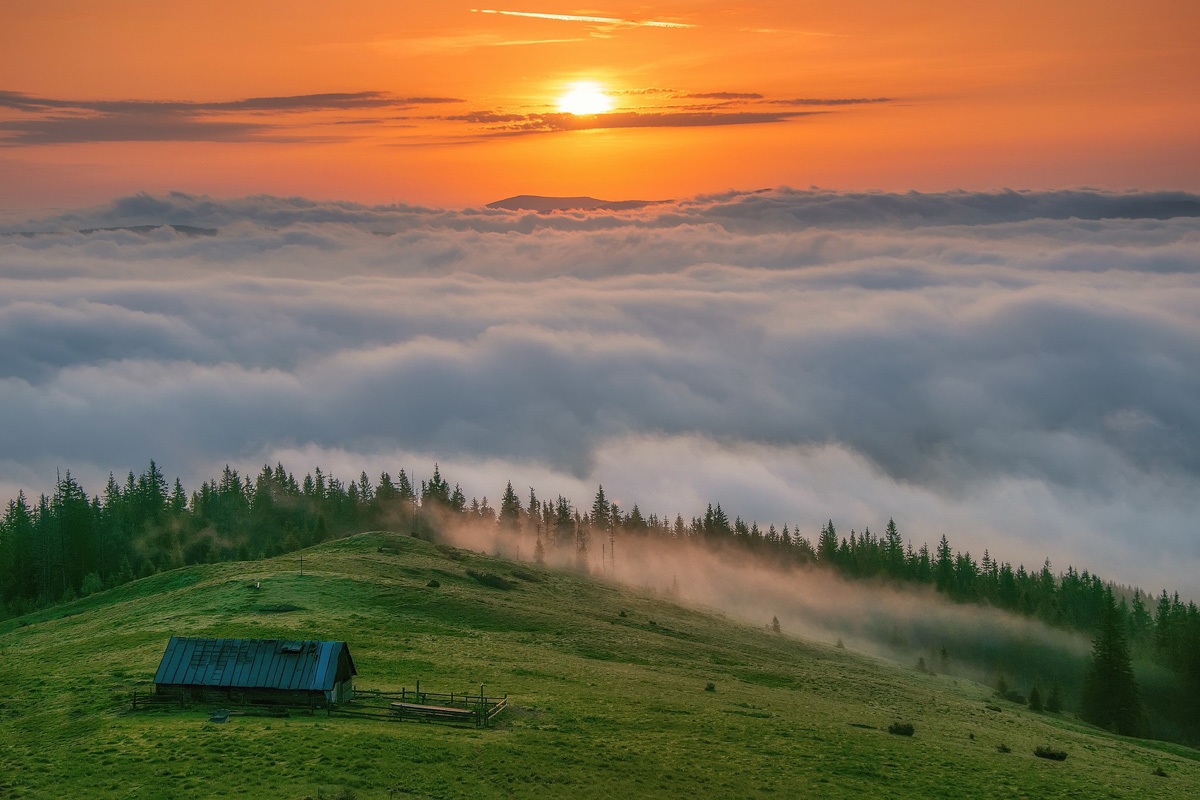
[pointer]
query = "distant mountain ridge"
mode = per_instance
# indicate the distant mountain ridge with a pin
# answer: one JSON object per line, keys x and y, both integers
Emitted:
{"x": 544, "y": 205}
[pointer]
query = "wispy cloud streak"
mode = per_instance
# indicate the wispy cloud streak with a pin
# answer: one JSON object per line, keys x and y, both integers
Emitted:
{"x": 457, "y": 43}
{"x": 552, "y": 123}
{"x": 47, "y": 120}
{"x": 285, "y": 104}
{"x": 831, "y": 101}
{"x": 596, "y": 20}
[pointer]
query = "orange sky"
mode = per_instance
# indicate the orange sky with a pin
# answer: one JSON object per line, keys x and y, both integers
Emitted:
{"x": 442, "y": 104}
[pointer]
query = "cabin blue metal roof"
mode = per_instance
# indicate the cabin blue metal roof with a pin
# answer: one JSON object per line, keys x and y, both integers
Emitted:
{"x": 306, "y": 665}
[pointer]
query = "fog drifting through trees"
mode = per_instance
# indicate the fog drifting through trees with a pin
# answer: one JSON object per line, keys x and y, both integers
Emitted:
{"x": 884, "y": 619}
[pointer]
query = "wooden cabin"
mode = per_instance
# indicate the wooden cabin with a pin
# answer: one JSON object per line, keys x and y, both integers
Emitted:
{"x": 307, "y": 674}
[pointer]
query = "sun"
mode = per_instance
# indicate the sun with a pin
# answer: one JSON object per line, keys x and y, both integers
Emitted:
{"x": 585, "y": 98}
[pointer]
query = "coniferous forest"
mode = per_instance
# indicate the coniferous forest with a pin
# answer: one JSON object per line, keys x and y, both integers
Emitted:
{"x": 71, "y": 544}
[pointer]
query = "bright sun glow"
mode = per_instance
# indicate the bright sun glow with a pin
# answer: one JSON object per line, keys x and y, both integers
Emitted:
{"x": 585, "y": 98}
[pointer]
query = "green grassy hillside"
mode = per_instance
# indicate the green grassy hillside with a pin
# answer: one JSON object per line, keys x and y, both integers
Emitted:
{"x": 608, "y": 688}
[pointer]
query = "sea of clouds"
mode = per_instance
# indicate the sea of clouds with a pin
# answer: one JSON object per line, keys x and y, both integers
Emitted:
{"x": 1016, "y": 370}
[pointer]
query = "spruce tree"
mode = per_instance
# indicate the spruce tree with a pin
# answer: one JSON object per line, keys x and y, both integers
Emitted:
{"x": 539, "y": 550}
{"x": 895, "y": 549}
{"x": 510, "y": 510}
{"x": 1054, "y": 701}
{"x": 601, "y": 509}
{"x": 1110, "y": 696}
{"x": 827, "y": 544}
{"x": 944, "y": 571}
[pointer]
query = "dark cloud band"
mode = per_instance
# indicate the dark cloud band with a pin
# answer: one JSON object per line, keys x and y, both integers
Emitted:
{"x": 33, "y": 120}
{"x": 58, "y": 121}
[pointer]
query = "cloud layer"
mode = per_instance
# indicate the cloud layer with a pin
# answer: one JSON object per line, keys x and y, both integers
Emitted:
{"x": 1015, "y": 370}
{"x": 27, "y": 120}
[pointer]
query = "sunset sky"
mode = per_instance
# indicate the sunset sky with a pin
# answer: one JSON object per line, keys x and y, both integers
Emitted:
{"x": 985, "y": 322}
{"x": 446, "y": 104}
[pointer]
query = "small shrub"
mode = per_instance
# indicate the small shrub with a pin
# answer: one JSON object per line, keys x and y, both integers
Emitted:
{"x": 526, "y": 575}
{"x": 434, "y": 583}
{"x": 1015, "y": 697}
{"x": 452, "y": 553}
{"x": 710, "y": 687}
{"x": 622, "y": 614}
{"x": 1159, "y": 772}
{"x": 1045, "y": 751}
{"x": 901, "y": 728}
{"x": 91, "y": 584}
{"x": 1003, "y": 748}
{"x": 840, "y": 644}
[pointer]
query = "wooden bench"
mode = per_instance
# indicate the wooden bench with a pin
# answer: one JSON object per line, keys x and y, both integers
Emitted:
{"x": 434, "y": 712}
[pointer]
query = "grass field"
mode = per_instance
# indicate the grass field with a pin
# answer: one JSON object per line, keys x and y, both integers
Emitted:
{"x": 607, "y": 685}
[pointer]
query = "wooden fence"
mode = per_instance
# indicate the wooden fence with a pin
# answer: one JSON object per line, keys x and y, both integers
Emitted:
{"x": 455, "y": 708}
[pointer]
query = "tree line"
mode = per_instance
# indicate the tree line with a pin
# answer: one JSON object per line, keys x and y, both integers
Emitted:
{"x": 69, "y": 544}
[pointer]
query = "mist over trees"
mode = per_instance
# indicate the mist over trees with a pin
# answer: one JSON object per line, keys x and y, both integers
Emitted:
{"x": 70, "y": 544}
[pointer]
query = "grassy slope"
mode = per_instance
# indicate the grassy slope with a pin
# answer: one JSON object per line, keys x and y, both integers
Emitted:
{"x": 605, "y": 705}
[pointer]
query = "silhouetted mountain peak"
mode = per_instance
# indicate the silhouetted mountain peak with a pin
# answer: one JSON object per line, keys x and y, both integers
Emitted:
{"x": 544, "y": 205}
